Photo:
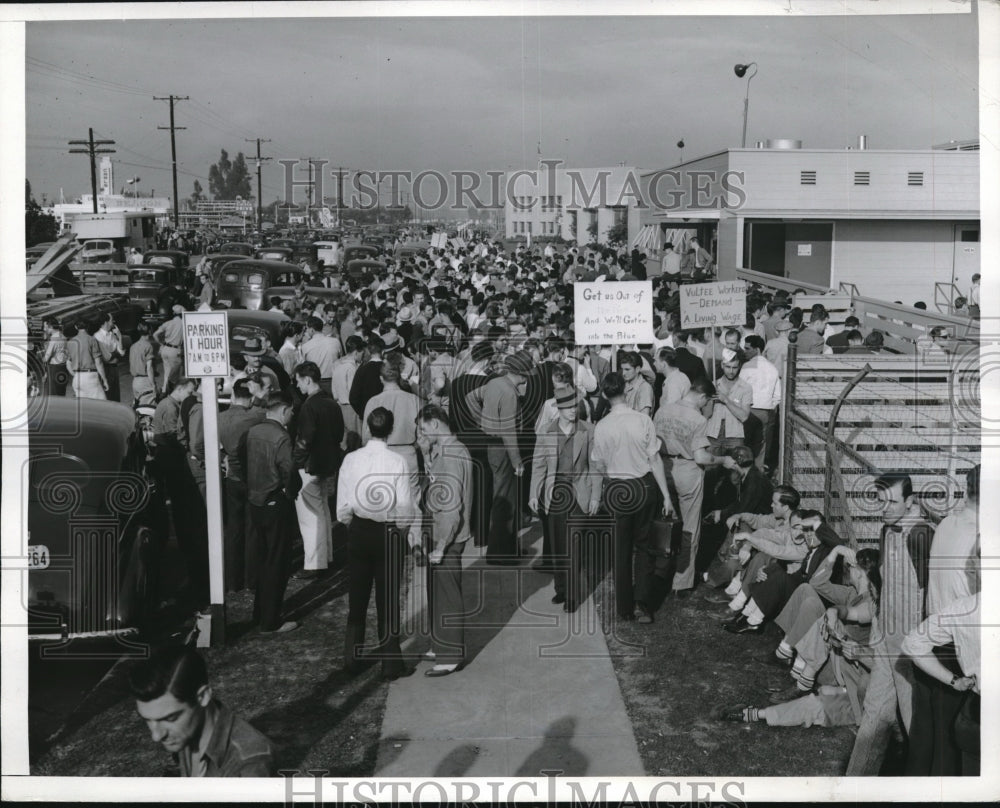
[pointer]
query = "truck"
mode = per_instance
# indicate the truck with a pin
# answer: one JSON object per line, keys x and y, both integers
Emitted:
{"x": 124, "y": 229}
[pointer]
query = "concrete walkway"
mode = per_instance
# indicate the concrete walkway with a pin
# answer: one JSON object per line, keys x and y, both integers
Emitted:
{"x": 538, "y": 693}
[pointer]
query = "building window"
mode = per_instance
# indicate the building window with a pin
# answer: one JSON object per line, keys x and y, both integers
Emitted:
{"x": 915, "y": 178}
{"x": 970, "y": 235}
{"x": 862, "y": 177}
{"x": 807, "y": 178}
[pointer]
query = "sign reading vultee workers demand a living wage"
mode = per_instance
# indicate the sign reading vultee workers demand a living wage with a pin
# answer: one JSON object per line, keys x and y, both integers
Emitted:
{"x": 709, "y": 304}
{"x": 206, "y": 344}
{"x": 613, "y": 312}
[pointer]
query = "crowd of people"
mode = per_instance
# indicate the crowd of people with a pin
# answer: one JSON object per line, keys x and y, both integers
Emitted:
{"x": 443, "y": 403}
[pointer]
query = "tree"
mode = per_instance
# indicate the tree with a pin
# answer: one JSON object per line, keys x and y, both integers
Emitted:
{"x": 618, "y": 234}
{"x": 38, "y": 226}
{"x": 198, "y": 194}
{"x": 228, "y": 179}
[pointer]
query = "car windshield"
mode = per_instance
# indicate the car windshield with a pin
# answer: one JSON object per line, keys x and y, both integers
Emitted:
{"x": 98, "y": 245}
{"x": 161, "y": 259}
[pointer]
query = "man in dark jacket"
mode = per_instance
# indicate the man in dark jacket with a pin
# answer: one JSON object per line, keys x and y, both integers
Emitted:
{"x": 271, "y": 488}
{"x": 317, "y": 455}
{"x": 368, "y": 379}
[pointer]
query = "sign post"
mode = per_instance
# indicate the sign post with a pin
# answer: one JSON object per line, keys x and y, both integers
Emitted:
{"x": 206, "y": 357}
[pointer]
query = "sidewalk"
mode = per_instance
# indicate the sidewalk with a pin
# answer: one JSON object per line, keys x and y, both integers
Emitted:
{"x": 538, "y": 692}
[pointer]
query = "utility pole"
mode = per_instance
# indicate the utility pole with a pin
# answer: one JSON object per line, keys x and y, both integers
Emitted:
{"x": 92, "y": 150}
{"x": 259, "y": 158}
{"x": 309, "y": 186}
{"x": 340, "y": 192}
{"x": 173, "y": 146}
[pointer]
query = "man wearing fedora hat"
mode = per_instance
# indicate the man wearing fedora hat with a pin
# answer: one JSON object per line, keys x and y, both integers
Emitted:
{"x": 253, "y": 351}
{"x": 562, "y": 484}
{"x": 499, "y": 424}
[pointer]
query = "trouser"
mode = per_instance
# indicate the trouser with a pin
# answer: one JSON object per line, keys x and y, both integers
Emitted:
{"x": 312, "y": 507}
{"x": 932, "y": 749}
{"x": 502, "y": 542}
{"x": 967, "y": 734}
{"x": 188, "y": 511}
{"x": 240, "y": 568}
{"x": 172, "y": 362}
{"x": 890, "y": 688}
{"x": 768, "y": 450}
{"x": 632, "y": 504}
{"x": 374, "y": 557}
{"x": 803, "y": 609}
{"x": 482, "y": 498}
{"x": 114, "y": 392}
{"x": 565, "y": 532}
{"x": 772, "y": 595}
{"x": 831, "y": 707}
{"x": 444, "y": 593}
{"x": 271, "y": 522}
{"x": 725, "y": 564}
{"x": 87, "y": 384}
{"x": 689, "y": 480}
{"x": 56, "y": 379}
{"x": 197, "y": 468}
{"x": 143, "y": 391}
{"x": 756, "y": 563}
{"x": 352, "y": 428}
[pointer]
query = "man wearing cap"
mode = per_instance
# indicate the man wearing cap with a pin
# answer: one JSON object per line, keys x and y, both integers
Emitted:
{"x": 499, "y": 424}
{"x": 253, "y": 351}
{"x": 731, "y": 409}
{"x": 562, "y": 485}
{"x": 321, "y": 349}
{"x": 776, "y": 350}
{"x": 626, "y": 451}
{"x": 170, "y": 337}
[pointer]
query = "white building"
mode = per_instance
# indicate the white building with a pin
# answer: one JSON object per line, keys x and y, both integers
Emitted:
{"x": 891, "y": 224}
{"x": 574, "y": 203}
{"x": 64, "y": 212}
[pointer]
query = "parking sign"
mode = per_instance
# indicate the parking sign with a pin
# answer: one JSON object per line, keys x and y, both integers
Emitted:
{"x": 206, "y": 344}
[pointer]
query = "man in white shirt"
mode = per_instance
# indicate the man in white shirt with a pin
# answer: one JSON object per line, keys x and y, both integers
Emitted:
{"x": 776, "y": 350}
{"x": 289, "y": 354}
{"x": 670, "y": 264}
{"x": 765, "y": 382}
{"x": 320, "y": 348}
{"x": 675, "y": 382}
{"x": 374, "y": 500}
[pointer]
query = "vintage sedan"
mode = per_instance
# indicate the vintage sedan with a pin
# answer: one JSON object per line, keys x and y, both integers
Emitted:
{"x": 355, "y": 251}
{"x": 245, "y": 284}
{"x": 171, "y": 258}
{"x": 244, "y": 324}
{"x": 360, "y": 268}
{"x": 97, "y": 251}
{"x": 96, "y": 522}
{"x": 272, "y": 253}
{"x": 147, "y": 282}
{"x": 238, "y": 247}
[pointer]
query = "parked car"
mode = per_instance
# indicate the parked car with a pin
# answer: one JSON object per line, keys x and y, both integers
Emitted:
{"x": 328, "y": 252}
{"x": 244, "y": 324}
{"x": 238, "y": 247}
{"x": 96, "y": 521}
{"x": 218, "y": 260}
{"x": 97, "y": 251}
{"x": 245, "y": 284}
{"x": 357, "y": 251}
{"x": 146, "y": 282}
{"x": 360, "y": 267}
{"x": 272, "y": 253}
{"x": 173, "y": 258}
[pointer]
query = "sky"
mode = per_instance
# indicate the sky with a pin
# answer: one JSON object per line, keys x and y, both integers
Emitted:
{"x": 484, "y": 93}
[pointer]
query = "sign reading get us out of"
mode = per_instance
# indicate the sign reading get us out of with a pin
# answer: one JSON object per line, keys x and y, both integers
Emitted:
{"x": 206, "y": 344}
{"x": 613, "y": 312}
{"x": 711, "y": 304}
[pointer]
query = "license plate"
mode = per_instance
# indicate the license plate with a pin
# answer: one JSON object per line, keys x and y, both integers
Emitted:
{"x": 38, "y": 557}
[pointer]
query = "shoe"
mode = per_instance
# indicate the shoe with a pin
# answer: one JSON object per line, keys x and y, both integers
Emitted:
{"x": 393, "y": 675}
{"x": 307, "y": 575}
{"x": 742, "y": 626}
{"x": 558, "y": 598}
{"x": 736, "y": 713}
{"x": 284, "y": 628}
{"x": 642, "y": 615}
{"x": 681, "y": 594}
{"x": 788, "y": 694}
{"x": 443, "y": 670}
{"x": 777, "y": 662}
{"x": 430, "y": 656}
{"x": 626, "y": 617}
{"x": 722, "y": 599}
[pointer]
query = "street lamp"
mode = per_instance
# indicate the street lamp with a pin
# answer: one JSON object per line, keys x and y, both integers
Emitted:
{"x": 741, "y": 71}
{"x": 134, "y": 182}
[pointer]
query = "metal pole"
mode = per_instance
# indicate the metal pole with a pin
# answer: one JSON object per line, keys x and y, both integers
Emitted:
{"x": 831, "y": 427}
{"x": 173, "y": 160}
{"x": 785, "y": 435}
{"x": 93, "y": 170}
